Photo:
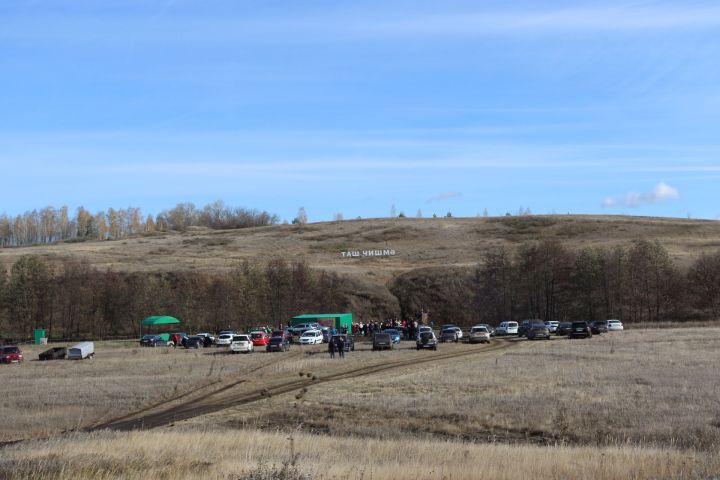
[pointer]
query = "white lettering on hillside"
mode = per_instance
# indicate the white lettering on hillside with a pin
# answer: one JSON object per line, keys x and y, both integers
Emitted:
{"x": 369, "y": 253}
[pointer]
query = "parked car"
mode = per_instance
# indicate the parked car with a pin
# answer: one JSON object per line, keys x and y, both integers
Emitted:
{"x": 449, "y": 335}
{"x": 552, "y": 325}
{"x": 208, "y": 338}
{"x": 506, "y": 328}
{"x": 424, "y": 328}
{"x": 525, "y": 326}
{"x": 394, "y": 334}
{"x": 564, "y": 328}
{"x": 479, "y": 334}
{"x": 11, "y": 354}
{"x": 538, "y": 330}
{"x": 490, "y": 328}
{"x": 348, "y": 341}
{"x": 301, "y": 328}
{"x": 311, "y": 337}
{"x": 382, "y": 341}
{"x": 55, "y": 353}
{"x": 278, "y": 344}
{"x": 81, "y": 351}
{"x": 599, "y": 326}
{"x": 615, "y": 326}
{"x": 241, "y": 343}
{"x": 259, "y": 328}
{"x": 151, "y": 341}
{"x": 195, "y": 341}
{"x": 224, "y": 339}
{"x": 259, "y": 339}
{"x": 580, "y": 330}
{"x": 427, "y": 340}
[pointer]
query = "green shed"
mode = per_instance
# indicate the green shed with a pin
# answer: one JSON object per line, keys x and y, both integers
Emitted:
{"x": 159, "y": 320}
{"x": 337, "y": 320}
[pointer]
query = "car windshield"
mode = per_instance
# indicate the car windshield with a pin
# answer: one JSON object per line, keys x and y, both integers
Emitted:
{"x": 148, "y": 337}
{"x": 256, "y": 335}
{"x": 392, "y": 332}
{"x": 276, "y": 340}
{"x": 579, "y": 324}
{"x": 241, "y": 338}
{"x": 479, "y": 329}
{"x": 196, "y": 339}
{"x": 11, "y": 350}
{"x": 426, "y": 335}
{"x": 512, "y": 324}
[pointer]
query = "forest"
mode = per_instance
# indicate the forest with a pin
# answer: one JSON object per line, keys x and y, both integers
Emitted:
{"x": 51, "y": 225}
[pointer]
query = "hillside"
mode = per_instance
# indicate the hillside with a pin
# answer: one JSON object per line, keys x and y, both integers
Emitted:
{"x": 434, "y": 257}
{"x": 427, "y": 242}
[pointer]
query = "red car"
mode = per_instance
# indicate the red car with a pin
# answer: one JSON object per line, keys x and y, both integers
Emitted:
{"x": 259, "y": 339}
{"x": 10, "y": 354}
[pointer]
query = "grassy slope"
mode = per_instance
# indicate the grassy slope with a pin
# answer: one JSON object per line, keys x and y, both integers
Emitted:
{"x": 434, "y": 244}
{"x": 419, "y": 242}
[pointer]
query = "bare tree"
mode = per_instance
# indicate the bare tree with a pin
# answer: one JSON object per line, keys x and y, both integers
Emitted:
{"x": 301, "y": 218}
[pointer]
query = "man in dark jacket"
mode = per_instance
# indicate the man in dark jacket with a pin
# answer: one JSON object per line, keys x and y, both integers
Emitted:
{"x": 341, "y": 346}
{"x": 331, "y": 348}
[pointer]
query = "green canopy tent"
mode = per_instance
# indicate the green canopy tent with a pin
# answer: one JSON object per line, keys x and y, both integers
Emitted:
{"x": 158, "y": 320}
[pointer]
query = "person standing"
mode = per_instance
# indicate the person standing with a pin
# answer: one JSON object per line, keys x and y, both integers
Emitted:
{"x": 331, "y": 347}
{"x": 341, "y": 347}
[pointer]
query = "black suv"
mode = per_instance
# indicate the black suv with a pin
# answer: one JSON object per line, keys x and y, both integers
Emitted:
{"x": 599, "y": 326}
{"x": 382, "y": 341}
{"x": 524, "y": 327}
{"x": 580, "y": 330}
{"x": 278, "y": 344}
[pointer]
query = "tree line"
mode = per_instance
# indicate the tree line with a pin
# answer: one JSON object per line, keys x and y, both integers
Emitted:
{"x": 50, "y": 225}
{"x": 545, "y": 280}
{"x": 640, "y": 283}
{"x": 74, "y": 300}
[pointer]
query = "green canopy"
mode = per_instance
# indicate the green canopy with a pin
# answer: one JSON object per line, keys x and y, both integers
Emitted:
{"x": 159, "y": 320}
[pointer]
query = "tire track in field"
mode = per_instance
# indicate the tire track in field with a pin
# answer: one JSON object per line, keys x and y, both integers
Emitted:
{"x": 216, "y": 401}
{"x": 193, "y": 391}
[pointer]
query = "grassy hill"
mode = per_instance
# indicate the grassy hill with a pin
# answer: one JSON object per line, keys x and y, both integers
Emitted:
{"x": 433, "y": 255}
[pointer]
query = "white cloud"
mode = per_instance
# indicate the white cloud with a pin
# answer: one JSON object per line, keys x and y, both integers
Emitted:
{"x": 445, "y": 196}
{"x": 660, "y": 193}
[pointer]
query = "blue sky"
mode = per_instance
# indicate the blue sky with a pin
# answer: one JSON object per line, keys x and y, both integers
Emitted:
{"x": 580, "y": 107}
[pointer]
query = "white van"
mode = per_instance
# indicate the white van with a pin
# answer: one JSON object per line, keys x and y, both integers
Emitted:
{"x": 81, "y": 350}
{"x": 507, "y": 328}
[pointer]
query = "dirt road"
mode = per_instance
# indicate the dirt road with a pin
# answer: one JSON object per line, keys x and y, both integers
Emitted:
{"x": 178, "y": 409}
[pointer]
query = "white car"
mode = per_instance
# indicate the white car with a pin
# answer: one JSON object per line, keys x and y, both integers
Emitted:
{"x": 552, "y": 325}
{"x": 241, "y": 343}
{"x": 224, "y": 339}
{"x": 479, "y": 333}
{"x": 301, "y": 328}
{"x": 615, "y": 326}
{"x": 311, "y": 337}
{"x": 507, "y": 328}
{"x": 459, "y": 332}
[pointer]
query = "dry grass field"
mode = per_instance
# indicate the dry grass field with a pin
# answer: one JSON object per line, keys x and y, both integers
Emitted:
{"x": 637, "y": 404}
{"x": 219, "y": 453}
